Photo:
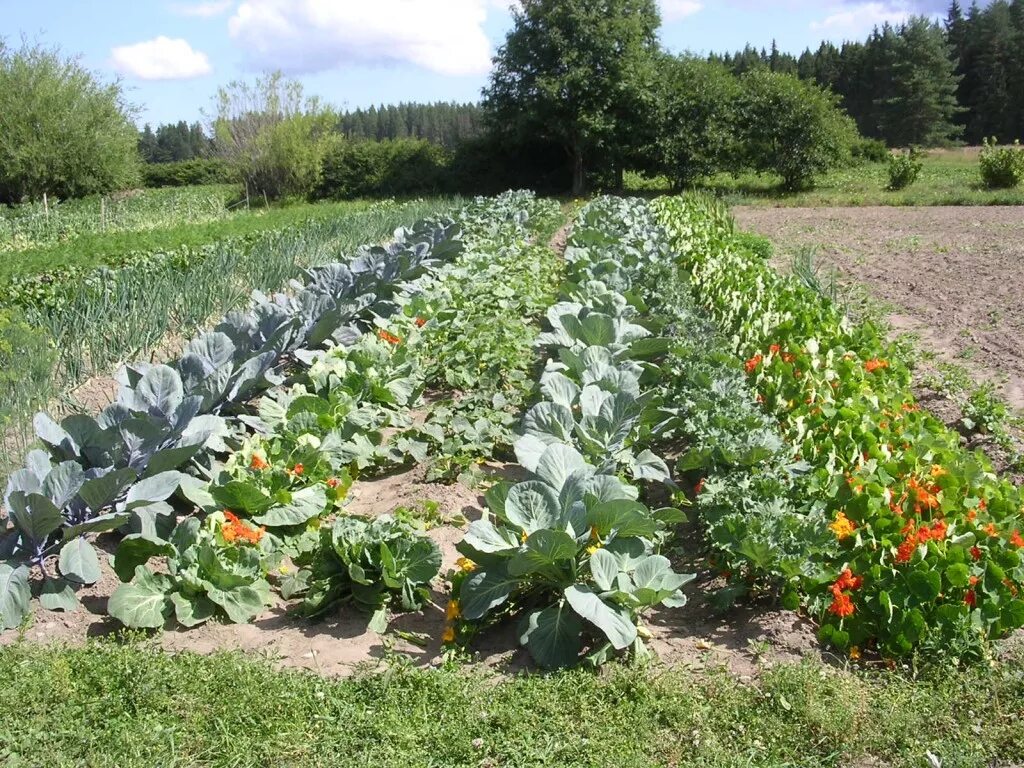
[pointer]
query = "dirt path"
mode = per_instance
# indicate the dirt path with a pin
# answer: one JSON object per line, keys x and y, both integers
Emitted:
{"x": 951, "y": 275}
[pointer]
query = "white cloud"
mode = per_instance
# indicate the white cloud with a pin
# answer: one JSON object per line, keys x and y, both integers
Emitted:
{"x": 161, "y": 58}
{"x": 205, "y": 10}
{"x": 674, "y": 10}
{"x": 862, "y": 18}
{"x": 304, "y": 36}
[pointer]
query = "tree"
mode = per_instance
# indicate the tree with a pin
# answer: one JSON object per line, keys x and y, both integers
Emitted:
{"x": 273, "y": 137}
{"x": 697, "y": 118}
{"x": 791, "y": 127}
{"x": 920, "y": 107}
{"x": 63, "y": 132}
{"x": 577, "y": 72}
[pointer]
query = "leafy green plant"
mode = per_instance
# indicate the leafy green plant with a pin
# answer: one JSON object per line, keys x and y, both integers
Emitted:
{"x": 904, "y": 168}
{"x": 576, "y": 554}
{"x": 370, "y": 564}
{"x": 213, "y": 569}
{"x": 1001, "y": 167}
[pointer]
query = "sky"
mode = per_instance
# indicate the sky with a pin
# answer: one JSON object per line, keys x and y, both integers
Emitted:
{"x": 171, "y": 55}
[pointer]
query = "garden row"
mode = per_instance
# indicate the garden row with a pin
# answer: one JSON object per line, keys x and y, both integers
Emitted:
{"x": 335, "y": 362}
{"x": 869, "y": 514}
{"x": 60, "y": 328}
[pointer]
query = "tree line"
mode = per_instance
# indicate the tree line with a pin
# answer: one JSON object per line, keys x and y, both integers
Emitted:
{"x": 920, "y": 82}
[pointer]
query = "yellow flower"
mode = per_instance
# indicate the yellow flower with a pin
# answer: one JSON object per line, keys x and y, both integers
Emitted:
{"x": 465, "y": 564}
{"x": 523, "y": 537}
{"x": 593, "y": 549}
{"x": 842, "y": 526}
{"x": 938, "y": 470}
{"x": 449, "y": 635}
{"x": 452, "y": 612}
{"x": 854, "y": 653}
{"x": 594, "y": 535}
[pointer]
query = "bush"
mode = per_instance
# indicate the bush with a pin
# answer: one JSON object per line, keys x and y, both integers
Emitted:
{"x": 186, "y": 173}
{"x": 791, "y": 127}
{"x": 904, "y": 168}
{"x": 756, "y": 244}
{"x": 62, "y": 131}
{"x": 869, "y": 151}
{"x": 382, "y": 169}
{"x": 1002, "y": 167}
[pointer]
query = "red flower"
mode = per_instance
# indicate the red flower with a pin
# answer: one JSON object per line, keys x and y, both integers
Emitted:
{"x": 258, "y": 463}
{"x": 970, "y": 598}
{"x": 775, "y": 349}
{"x": 297, "y": 470}
{"x": 976, "y": 553}
{"x": 847, "y": 580}
{"x": 842, "y": 606}
{"x": 390, "y": 338}
{"x": 332, "y": 483}
{"x": 752, "y": 363}
{"x": 873, "y": 365}
{"x": 906, "y": 549}
{"x": 1016, "y": 539}
{"x": 420, "y": 322}
{"x": 698, "y": 487}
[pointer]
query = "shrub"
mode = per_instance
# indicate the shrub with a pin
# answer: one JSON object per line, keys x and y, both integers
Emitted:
{"x": 756, "y": 244}
{"x": 1002, "y": 167}
{"x": 186, "y": 173}
{"x": 62, "y": 131}
{"x": 904, "y": 168}
{"x": 865, "y": 150}
{"x": 791, "y": 127}
{"x": 385, "y": 168}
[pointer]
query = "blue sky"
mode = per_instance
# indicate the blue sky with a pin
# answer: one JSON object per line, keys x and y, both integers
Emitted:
{"x": 172, "y": 54}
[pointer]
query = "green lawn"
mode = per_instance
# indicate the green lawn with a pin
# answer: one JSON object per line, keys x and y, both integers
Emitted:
{"x": 132, "y": 705}
{"x": 949, "y": 177}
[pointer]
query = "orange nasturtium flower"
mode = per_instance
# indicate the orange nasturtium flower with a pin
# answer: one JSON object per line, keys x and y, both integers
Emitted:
{"x": 752, "y": 363}
{"x": 233, "y": 529}
{"x": 258, "y": 462}
{"x": 842, "y": 526}
{"x": 1016, "y": 539}
{"x": 842, "y": 606}
{"x": 873, "y": 365}
{"x": 449, "y": 635}
{"x": 420, "y": 322}
{"x": 297, "y": 470}
{"x": 390, "y": 338}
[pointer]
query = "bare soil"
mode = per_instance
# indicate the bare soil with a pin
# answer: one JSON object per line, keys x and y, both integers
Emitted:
{"x": 952, "y": 275}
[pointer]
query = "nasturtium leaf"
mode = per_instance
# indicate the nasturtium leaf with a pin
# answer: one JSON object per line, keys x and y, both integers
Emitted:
{"x": 241, "y": 497}
{"x": 79, "y": 562}
{"x": 958, "y": 575}
{"x": 925, "y": 585}
{"x": 553, "y": 636}
{"x": 613, "y": 622}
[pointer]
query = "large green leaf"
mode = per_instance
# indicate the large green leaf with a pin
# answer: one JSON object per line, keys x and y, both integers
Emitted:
{"x": 613, "y": 622}
{"x": 156, "y": 488}
{"x": 545, "y": 552}
{"x": 925, "y": 585}
{"x": 142, "y": 604}
{"x": 627, "y": 518}
{"x": 484, "y": 536}
{"x": 15, "y": 595}
{"x": 533, "y": 505}
{"x": 553, "y": 636}
{"x": 63, "y": 483}
{"x": 241, "y": 604}
{"x": 604, "y": 567}
{"x": 305, "y": 505}
{"x": 485, "y": 590}
{"x": 79, "y": 562}
{"x": 102, "y": 524}
{"x": 58, "y": 595}
{"x": 558, "y": 463}
{"x": 34, "y": 515}
{"x": 136, "y": 549}
{"x": 422, "y": 561}
{"x": 241, "y": 497}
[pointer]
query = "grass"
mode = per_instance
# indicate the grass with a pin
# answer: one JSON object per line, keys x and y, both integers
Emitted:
{"x": 93, "y": 249}
{"x": 949, "y": 177}
{"x": 134, "y": 705}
